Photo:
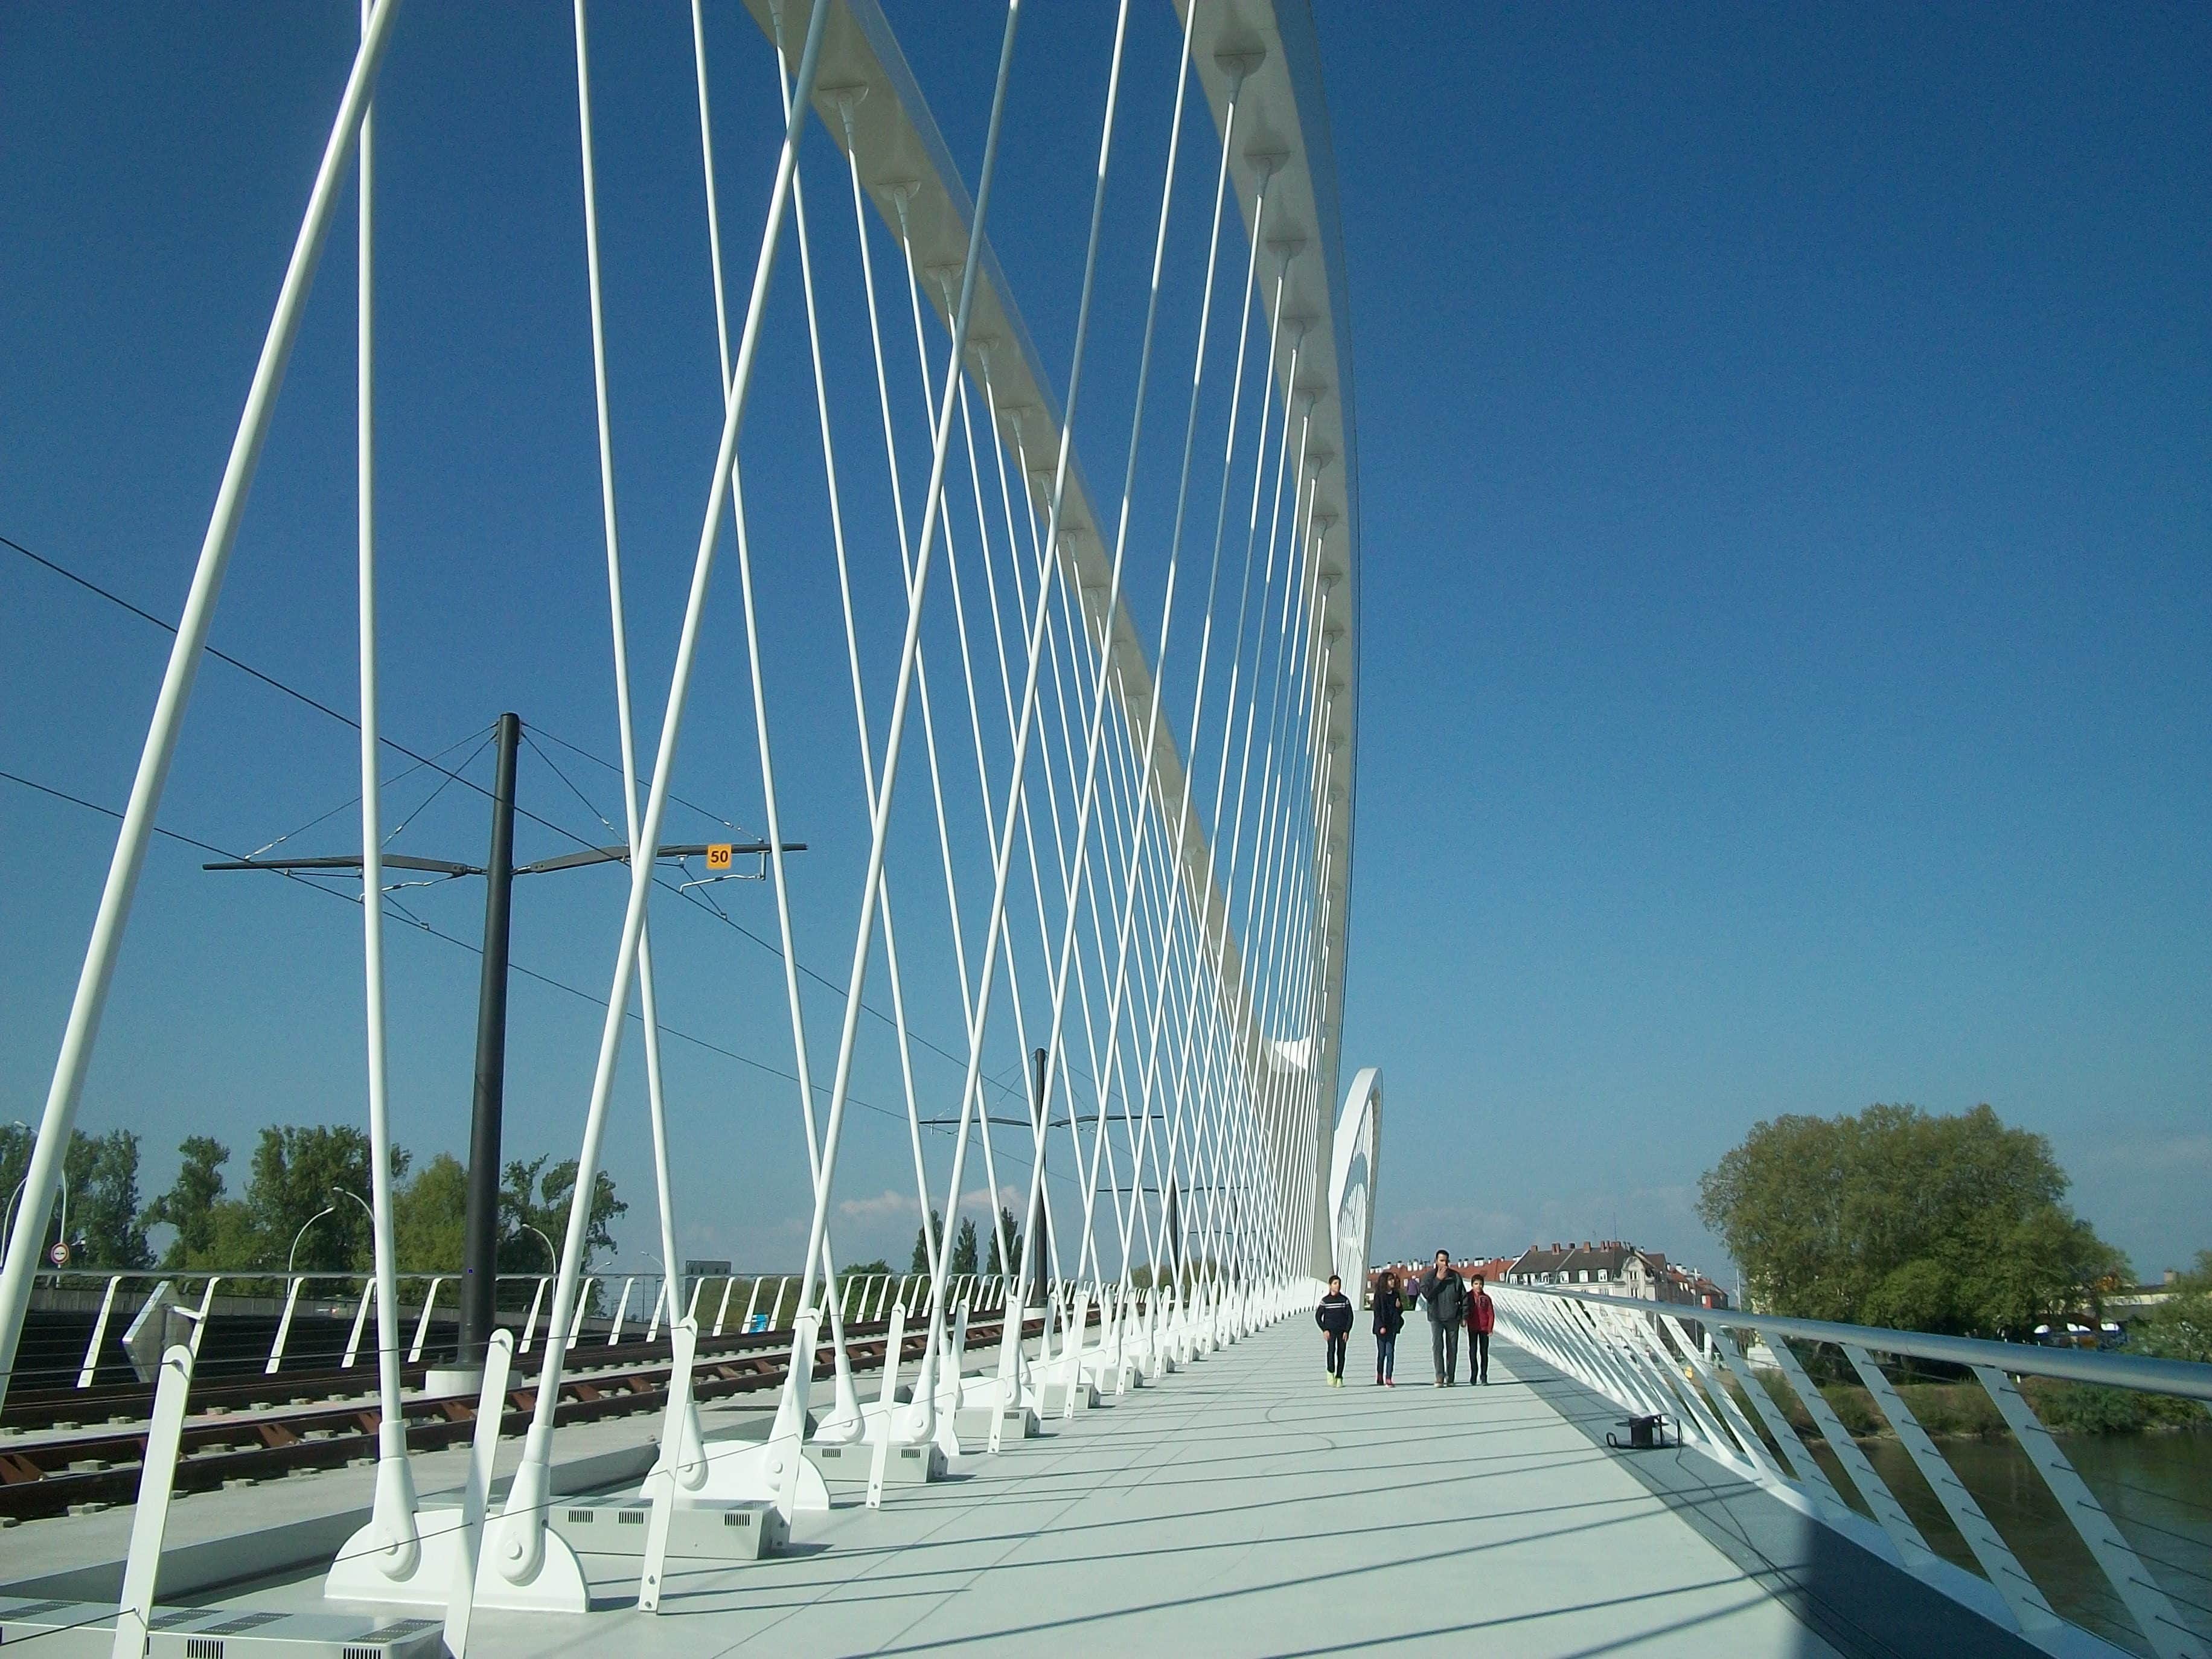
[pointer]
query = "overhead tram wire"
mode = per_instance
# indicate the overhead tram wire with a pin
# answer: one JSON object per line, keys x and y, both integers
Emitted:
{"x": 307, "y": 879}
{"x": 452, "y": 775}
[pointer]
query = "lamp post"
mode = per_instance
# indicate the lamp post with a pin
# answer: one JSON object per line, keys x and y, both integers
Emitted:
{"x": 547, "y": 1242}
{"x": 293, "y": 1255}
{"x": 9, "y": 1216}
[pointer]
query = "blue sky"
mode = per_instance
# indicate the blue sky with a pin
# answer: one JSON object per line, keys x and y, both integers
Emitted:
{"x": 1787, "y": 479}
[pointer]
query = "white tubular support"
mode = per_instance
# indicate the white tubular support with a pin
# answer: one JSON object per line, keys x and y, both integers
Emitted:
{"x": 136, "y": 832}
{"x": 476, "y": 1491}
{"x": 150, "y": 1519}
{"x": 394, "y": 1518}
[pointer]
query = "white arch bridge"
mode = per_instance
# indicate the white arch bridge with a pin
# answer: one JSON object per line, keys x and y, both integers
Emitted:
{"x": 1083, "y": 839}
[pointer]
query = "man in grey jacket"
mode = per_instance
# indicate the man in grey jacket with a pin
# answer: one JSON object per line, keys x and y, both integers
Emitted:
{"x": 1445, "y": 1293}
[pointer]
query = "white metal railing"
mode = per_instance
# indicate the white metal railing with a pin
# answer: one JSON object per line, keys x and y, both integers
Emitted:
{"x": 144, "y": 1294}
{"x": 1641, "y": 1356}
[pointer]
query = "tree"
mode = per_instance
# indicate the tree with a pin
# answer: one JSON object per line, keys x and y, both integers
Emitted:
{"x": 879, "y": 1268}
{"x": 532, "y": 1195}
{"x": 102, "y": 1176}
{"x": 2179, "y": 1327}
{"x": 964, "y": 1249}
{"x": 1898, "y": 1218}
{"x": 1012, "y": 1232}
{"x": 191, "y": 1204}
{"x": 298, "y": 1169}
{"x": 924, "y": 1239}
{"x": 430, "y": 1217}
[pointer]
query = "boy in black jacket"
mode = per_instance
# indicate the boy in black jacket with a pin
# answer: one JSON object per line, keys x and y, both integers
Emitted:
{"x": 1333, "y": 1316}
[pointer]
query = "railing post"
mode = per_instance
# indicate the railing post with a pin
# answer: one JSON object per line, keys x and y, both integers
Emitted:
{"x": 576, "y": 1314}
{"x": 621, "y": 1307}
{"x": 283, "y": 1327}
{"x": 1912, "y": 1551}
{"x": 530, "y": 1319}
{"x": 1806, "y": 1467}
{"x": 1738, "y": 1426}
{"x": 359, "y": 1318}
{"x": 2116, "y": 1557}
{"x": 200, "y": 1319}
{"x": 2029, "y": 1609}
{"x": 99, "y": 1334}
{"x": 422, "y": 1323}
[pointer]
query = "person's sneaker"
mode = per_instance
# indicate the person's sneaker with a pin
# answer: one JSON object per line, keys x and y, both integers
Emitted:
{"x": 1390, "y": 1381}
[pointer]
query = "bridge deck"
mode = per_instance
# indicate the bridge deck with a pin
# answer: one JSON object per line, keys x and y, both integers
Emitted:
{"x": 1240, "y": 1507}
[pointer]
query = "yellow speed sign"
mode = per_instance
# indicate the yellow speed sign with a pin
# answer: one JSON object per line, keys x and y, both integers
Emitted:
{"x": 718, "y": 855}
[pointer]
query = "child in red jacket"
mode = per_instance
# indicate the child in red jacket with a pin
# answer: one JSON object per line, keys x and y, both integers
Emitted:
{"x": 1481, "y": 1320}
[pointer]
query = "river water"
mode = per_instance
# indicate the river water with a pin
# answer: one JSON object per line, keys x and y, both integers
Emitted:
{"x": 2157, "y": 1486}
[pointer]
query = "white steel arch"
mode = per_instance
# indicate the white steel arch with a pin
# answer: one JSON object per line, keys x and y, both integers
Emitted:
{"x": 1266, "y": 58}
{"x": 1352, "y": 1202}
{"x": 1148, "y": 887}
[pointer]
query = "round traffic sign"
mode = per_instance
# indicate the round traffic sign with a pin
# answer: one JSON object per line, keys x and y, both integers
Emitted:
{"x": 60, "y": 1254}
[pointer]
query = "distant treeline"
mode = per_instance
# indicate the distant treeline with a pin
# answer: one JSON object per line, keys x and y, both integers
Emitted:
{"x": 298, "y": 1171}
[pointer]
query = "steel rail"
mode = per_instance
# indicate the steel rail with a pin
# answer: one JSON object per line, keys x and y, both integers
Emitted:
{"x": 47, "y": 1477}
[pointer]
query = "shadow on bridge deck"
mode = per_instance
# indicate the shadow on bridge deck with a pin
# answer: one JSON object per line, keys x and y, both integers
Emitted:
{"x": 1242, "y": 1507}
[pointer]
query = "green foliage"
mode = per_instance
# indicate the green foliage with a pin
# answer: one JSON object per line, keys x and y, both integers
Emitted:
{"x": 1897, "y": 1218}
{"x": 2079, "y": 1408}
{"x": 102, "y": 1176}
{"x": 2179, "y": 1327}
{"x": 879, "y": 1268}
{"x": 1009, "y": 1231}
{"x": 534, "y": 1195}
{"x": 299, "y": 1170}
{"x": 925, "y": 1241}
{"x": 189, "y": 1206}
{"x": 429, "y": 1216}
{"x": 965, "y": 1251}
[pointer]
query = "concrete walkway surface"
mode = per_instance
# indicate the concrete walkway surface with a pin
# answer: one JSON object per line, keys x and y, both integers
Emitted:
{"x": 1238, "y": 1507}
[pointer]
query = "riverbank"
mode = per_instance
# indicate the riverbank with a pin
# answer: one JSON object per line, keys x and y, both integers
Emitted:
{"x": 1963, "y": 1410}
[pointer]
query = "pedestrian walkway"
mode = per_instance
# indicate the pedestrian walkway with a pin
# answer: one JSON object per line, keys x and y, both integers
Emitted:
{"x": 1239, "y": 1507}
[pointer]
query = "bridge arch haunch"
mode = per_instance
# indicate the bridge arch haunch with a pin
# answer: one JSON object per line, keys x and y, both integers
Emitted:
{"x": 1356, "y": 1146}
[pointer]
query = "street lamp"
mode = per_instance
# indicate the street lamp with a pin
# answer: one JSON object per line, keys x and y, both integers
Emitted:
{"x": 10, "y": 1215}
{"x": 293, "y": 1255}
{"x": 547, "y": 1242}
{"x": 348, "y": 1192}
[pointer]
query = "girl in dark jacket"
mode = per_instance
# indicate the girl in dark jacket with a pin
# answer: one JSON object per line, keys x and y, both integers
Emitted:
{"x": 1389, "y": 1320}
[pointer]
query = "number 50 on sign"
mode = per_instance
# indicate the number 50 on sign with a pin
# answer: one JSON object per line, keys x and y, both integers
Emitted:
{"x": 718, "y": 855}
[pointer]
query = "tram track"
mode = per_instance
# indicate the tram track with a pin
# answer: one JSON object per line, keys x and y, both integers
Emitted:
{"x": 57, "y": 1471}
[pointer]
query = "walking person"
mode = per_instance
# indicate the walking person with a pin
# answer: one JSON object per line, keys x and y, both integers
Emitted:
{"x": 1389, "y": 1320}
{"x": 1445, "y": 1293}
{"x": 1481, "y": 1320}
{"x": 1333, "y": 1316}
